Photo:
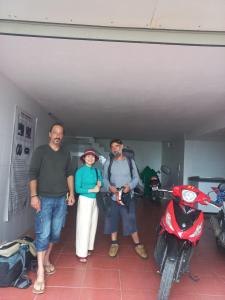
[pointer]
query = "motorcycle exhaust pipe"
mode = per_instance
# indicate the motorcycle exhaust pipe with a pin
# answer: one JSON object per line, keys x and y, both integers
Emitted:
{"x": 215, "y": 226}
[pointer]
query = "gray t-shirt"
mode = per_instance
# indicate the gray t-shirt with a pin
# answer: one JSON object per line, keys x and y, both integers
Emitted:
{"x": 120, "y": 174}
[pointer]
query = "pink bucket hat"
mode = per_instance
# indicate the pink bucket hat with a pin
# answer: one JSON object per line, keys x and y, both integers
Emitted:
{"x": 89, "y": 152}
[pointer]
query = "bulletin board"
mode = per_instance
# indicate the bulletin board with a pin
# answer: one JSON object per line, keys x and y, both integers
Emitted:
{"x": 22, "y": 149}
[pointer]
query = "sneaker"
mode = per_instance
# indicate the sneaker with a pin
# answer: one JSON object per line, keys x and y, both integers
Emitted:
{"x": 140, "y": 250}
{"x": 113, "y": 250}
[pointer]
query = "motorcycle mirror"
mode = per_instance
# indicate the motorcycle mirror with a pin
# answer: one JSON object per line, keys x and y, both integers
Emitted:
{"x": 221, "y": 187}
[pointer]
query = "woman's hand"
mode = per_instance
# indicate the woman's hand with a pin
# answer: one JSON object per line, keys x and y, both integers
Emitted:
{"x": 96, "y": 189}
{"x": 99, "y": 184}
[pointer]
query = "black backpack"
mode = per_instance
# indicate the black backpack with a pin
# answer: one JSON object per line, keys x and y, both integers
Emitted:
{"x": 16, "y": 258}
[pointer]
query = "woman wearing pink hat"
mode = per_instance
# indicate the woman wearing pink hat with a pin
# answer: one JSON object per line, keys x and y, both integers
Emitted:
{"x": 88, "y": 181}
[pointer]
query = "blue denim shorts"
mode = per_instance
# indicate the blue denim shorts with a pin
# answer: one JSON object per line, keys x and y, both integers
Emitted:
{"x": 49, "y": 221}
{"x": 128, "y": 218}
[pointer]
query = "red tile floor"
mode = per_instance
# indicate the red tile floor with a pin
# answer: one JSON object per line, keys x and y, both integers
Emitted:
{"x": 126, "y": 277}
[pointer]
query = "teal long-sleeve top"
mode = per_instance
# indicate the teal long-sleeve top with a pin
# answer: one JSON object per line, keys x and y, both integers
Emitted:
{"x": 85, "y": 179}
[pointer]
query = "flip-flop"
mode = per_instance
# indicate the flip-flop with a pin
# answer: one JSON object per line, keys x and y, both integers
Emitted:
{"x": 83, "y": 259}
{"x": 50, "y": 269}
{"x": 38, "y": 287}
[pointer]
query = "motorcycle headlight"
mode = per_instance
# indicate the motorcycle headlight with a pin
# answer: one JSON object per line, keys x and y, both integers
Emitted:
{"x": 168, "y": 221}
{"x": 188, "y": 196}
{"x": 198, "y": 230}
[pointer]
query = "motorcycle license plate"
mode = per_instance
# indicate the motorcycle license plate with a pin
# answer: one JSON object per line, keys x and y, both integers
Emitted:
{"x": 155, "y": 188}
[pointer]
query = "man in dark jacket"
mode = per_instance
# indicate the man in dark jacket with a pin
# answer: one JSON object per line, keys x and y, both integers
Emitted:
{"x": 51, "y": 177}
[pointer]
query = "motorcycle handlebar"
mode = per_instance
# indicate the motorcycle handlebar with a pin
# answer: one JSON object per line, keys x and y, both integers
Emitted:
{"x": 218, "y": 208}
{"x": 164, "y": 190}
{"x": 177, "y": 198}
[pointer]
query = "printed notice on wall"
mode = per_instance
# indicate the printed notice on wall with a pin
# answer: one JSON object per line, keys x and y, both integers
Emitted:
{"x": 22, "y": 148}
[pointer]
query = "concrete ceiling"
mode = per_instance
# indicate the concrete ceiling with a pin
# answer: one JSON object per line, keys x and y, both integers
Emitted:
{"x": 107, "y": 89}
{"x": 153, "y": 14}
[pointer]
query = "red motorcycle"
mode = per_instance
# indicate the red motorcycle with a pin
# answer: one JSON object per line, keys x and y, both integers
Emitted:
{"x": 180, "y": 229}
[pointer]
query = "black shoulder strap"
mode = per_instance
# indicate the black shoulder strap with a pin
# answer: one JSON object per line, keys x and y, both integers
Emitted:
{"x": 96, "y": 171}
{"x": 129, "y": 164}
{"x": 109, "y": 168}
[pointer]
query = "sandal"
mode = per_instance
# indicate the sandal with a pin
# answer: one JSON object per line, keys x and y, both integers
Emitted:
{"x": 83, "y": 259}
{"x": 39, "y": 287}
{"x": 50, "y": 269}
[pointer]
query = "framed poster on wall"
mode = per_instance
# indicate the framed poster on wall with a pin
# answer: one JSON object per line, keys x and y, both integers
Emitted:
{"x": 22, "y": 149}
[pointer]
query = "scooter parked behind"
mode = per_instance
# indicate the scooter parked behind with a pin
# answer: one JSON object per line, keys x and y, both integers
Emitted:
{"x": 218, "y": 221}
{"x": 154, "y": 184}
{"x": 179, "y": 231}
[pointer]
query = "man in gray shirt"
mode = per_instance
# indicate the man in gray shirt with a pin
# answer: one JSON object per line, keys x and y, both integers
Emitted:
{"x": 120, "y": 172}
{"x": 51, "y": 177}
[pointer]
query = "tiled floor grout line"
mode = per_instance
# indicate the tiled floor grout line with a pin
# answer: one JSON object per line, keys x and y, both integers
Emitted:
{"x": 121, "y": 294}
{"x": 84, "y": 275}
{"x": 80, "y": 287}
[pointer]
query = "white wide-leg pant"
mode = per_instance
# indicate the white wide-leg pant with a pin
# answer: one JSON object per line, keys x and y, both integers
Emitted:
{"x": 86, "y": 225}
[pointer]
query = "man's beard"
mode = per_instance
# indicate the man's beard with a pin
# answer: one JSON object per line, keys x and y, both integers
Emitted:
{"x": 117, "y": 153}
{"x": 57, "y": 141}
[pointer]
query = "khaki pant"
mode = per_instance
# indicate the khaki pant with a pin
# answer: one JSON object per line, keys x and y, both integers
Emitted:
{"x": 86, "y": 225}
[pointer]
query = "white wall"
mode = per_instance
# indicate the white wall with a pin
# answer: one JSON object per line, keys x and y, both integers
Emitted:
{"x": 146, "y": 153}
{"x": 204, "y": 159}
{"x": 10, "y": 96}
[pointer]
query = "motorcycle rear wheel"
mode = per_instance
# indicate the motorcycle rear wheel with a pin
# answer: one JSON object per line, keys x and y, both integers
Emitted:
{"x": 166, "y": 280}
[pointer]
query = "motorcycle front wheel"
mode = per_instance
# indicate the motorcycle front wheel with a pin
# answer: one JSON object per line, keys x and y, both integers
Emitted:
{"x": 166, "y": 280}
{"x": 160, "y": 249}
